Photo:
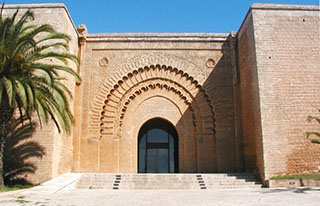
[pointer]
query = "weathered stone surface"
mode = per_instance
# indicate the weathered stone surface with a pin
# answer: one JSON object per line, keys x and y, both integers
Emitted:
{"x": 238, "y": 101}
{"x": 58, "y": 156}
{"x": 287, "y": 183}
{"x": 293, "y": 183}
{"x": 277, "y": 79}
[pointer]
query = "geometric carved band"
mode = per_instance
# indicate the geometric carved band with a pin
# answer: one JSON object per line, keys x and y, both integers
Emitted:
{"x": 112, "y": 108}
{"x": 148, "y": 79}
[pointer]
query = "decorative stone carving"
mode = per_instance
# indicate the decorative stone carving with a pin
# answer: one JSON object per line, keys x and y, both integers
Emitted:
{"x": 82, "y": 29}
{"x": 140, "y": 69}
{"x": 210, "y": 63}
{"x": 151, "y": 85}
{"x": 150, "y": 78}
{"x": 104, "y": 62}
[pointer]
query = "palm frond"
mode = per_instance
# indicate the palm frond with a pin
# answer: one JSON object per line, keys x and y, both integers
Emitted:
{"x": 66, "y": 69}
{"x": 55, "y": 35}
{"x": 42, "y": 67}
{"x": 56, "y": 45}
{"x": 38, "y": 30}
{"x": 313, "y": 133}
{"x": 23, "y": 19}
{"x": 27, "y": 27}
{"x": 1, "y": 12}
{"x": 42, "y": 115}
{"x": 21, "y": 92}
{"x": 32, "y": 61}
{"x": 310, "y": 118}
{"x": 61, "y": 56}
{"x": 308, "y": 134}
{"x": 9, "y": 89}
{"x": 64, "y": 89}
{"x": 19, "y": 49}
{"x": 30, "y": 97}
{"x": 315, "y": 141}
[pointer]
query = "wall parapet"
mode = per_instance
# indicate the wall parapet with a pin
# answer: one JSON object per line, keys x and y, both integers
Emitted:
{"x": 261, "y": 6}
{"x": 43, "y": 6}
{"x": 158, "y": 37}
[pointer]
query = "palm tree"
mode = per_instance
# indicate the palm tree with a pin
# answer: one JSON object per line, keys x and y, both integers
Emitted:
{"x": 32, "y": 59}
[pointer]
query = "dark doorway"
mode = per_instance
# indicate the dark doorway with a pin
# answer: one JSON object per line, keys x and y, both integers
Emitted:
{"x": 158, "y": 147}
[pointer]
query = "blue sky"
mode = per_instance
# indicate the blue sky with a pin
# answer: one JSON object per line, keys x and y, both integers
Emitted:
{"x": 106, "y": 16}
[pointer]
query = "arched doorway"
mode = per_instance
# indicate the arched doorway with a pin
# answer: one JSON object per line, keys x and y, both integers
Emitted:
{"x": 158, "y": 147}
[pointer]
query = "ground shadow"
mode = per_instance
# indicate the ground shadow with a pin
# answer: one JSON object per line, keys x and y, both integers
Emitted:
{"x": 18, "y": 151}
{"x": 294, "y": 190}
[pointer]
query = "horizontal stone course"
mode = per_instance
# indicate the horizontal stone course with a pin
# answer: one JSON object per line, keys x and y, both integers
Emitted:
{"x": 166, "y": 181}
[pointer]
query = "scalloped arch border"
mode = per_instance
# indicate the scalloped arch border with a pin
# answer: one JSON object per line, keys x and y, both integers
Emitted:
{"x": 138, "y": 65}
{"x": 170, "y": 88}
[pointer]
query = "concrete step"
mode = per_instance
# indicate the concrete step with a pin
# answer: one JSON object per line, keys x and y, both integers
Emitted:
{"x": 232, "y": 187}
{"x": 129, "y": 181}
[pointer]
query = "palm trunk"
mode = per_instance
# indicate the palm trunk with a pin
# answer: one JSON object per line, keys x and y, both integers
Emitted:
{"x": 2, "y": 143}
{"x": 6, "y": 114}
{"x": 3, "y": 132}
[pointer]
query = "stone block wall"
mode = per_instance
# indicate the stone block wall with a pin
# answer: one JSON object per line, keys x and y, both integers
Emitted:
{"x": 249, "y": 99}
{"x": 110, "y": 58}
{"x": 284, "y": 42}
{"x": 57, "y": 147}
{"x": 250, "y": 94}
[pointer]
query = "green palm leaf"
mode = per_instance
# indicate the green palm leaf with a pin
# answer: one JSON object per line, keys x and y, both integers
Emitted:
{"x": 313, "y": 133}
{"x": 32, "y": 60}
{"x": 21, "y": 92}
{"x": 9, "y": 89}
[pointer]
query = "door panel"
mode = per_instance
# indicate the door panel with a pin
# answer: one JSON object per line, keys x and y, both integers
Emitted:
{"x": 157, "y": 161}
{"x": 157, "y": 148}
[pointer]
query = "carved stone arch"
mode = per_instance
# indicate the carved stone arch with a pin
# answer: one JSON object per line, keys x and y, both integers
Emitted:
{"x": 160, "y": 84}
{"x": 134, "y": 65}
{"x": 142, "y": 79}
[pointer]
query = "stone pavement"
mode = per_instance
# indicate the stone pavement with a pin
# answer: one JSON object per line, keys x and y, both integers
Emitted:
{"x": 87, "y": 197}
{"x": 62, "y": 191}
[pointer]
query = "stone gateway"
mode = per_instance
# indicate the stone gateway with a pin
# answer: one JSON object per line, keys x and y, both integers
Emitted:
{"x": 189, "y": 102}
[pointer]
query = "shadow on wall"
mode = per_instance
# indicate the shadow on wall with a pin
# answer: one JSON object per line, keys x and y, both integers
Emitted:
{"x": 18, "y": 150}
{"x": 165, "y": 86}
{"x": 220, "y": 89}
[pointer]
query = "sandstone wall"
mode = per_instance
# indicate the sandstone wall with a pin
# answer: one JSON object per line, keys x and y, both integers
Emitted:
{"x": 285, "y": 68}
{"x": 57, "y": 147}
{"x": 238, "y": 101}
{"x": 249, "y": 99}
{"x": 110, "y": 58}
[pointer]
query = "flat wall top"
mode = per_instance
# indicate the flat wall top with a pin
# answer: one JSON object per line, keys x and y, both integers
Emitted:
{"x": 276, "y": 7}
{"x": 33, "y": 6}
{"x": 152, "y": 37}
{"x": 284, "y": 7}
{"x": 42, "y": 6}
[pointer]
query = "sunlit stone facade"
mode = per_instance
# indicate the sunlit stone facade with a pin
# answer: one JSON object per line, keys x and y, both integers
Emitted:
{"x": 236, "y": 102}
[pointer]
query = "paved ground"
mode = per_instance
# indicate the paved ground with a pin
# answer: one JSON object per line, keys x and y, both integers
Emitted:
{"x": 61, "y": 191}
{"x": 302, "y": 196}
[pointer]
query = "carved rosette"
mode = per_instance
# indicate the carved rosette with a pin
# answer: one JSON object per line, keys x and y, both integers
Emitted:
{"x": 210, "y": 63}
{"x": 104, "y": 62}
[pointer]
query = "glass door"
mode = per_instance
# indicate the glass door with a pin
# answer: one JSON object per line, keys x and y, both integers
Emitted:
{"x": 157, "y": 147}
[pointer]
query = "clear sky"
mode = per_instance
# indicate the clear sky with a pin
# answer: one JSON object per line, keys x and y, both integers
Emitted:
{"x": 106, "y": 16}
